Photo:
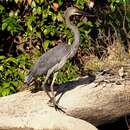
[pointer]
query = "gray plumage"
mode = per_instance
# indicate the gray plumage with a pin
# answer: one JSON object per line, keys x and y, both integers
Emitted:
{"x": 56, "y": 57}
{"x": 47, "y": 61}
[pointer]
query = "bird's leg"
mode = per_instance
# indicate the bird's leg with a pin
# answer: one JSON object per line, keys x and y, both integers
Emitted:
{"x": 52, "y": 89}
{"x": 43, "y": 84}
{"x": 53, "y": 100}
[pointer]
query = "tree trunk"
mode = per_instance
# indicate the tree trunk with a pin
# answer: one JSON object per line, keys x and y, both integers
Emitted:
{"x": 100, "y": 101}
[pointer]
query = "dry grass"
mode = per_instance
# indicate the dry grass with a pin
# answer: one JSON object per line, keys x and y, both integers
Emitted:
{"x": 115, "y": 57}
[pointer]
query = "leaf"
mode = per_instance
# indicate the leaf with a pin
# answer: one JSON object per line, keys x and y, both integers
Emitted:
{"x": 30, "y": 27}
{"x": 1, "y": 8}
{"x": 30, "y": 20}
{"x": 37, "y": 1}
{"x": 15, "y": 83}
{"x": 11, "y": 24}
{"x": 59, "y": 17}
{"x": 11, "y": 59}
{"x": 112, "y": 7}
{"x": 2, "y": 57}
{"x": 22, "y": 66}
{"x": 12, "y": 89}
{"x": 45, "y": 32}
{"x": 5, "y": 92}
{"x": 89, "y": 23}
{"x": 39, "y": 11}
{"x": 8, "y": 72}
{"x": 33, "y": 4}
{"x": 60, "y": 2}
{"x": 5, "y": 84}
{"x": 1, "y": 68}
{"x": 22, "y": 76}
{"x": 46, "y": 44}
{"x": 4, "y": 26}
{"x": 41, "y": 1}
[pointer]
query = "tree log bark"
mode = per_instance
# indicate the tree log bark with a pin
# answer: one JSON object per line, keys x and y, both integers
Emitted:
{"x": 97, "y": 102}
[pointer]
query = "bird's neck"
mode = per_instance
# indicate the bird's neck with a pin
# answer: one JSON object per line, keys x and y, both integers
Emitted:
{"x": 75, "y": 31}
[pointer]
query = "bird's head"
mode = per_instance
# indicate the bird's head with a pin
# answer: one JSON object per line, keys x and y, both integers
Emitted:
{"x": 73, "y": 11}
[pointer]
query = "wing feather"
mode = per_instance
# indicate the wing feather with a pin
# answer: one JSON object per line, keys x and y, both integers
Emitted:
{"x": 48, "y": 60}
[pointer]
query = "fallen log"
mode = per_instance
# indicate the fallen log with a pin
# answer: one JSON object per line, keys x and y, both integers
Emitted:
{"x": 44, "y": 121}
{"x": 97, "y": 102}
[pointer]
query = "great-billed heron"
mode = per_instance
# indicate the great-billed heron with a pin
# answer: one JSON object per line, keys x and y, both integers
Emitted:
{"x": 53, "y": 60}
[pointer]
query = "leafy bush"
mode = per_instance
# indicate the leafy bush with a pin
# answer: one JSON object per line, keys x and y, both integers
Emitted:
{"x": 29, "y": 28}
{"x": 12, "y": 72}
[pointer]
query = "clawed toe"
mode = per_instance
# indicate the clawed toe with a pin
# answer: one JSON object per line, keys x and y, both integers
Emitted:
{"x": 54, "y": 104}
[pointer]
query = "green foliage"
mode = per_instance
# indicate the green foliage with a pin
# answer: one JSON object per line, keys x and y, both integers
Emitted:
{"x": 12, "y": 72}
{"x": 68, "y": 72}
{"x": 1, "y": 9}
{"x": 37, "y": 24}
{"x": 12, "y": 25}
{"x": 80, "y": 3}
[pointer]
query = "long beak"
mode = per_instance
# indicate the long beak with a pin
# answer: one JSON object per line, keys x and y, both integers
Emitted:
{"x": 79, "y": 12}
{"x": 84, "y": 14}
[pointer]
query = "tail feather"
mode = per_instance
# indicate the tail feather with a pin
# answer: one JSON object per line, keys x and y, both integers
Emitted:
{"x": 28, "y": 79}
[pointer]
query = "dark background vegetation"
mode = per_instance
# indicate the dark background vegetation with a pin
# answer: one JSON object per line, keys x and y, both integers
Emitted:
{"x": 29, "y": 28}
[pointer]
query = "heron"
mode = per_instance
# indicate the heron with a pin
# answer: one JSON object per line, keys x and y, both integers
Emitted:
{"x": 54, "y": 59}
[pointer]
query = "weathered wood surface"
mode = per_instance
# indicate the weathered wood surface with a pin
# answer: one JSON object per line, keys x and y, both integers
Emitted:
{"x": 96, "y": 102}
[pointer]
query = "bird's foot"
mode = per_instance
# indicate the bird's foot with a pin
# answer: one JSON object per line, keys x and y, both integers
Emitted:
{"x": 54, "y": 104}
